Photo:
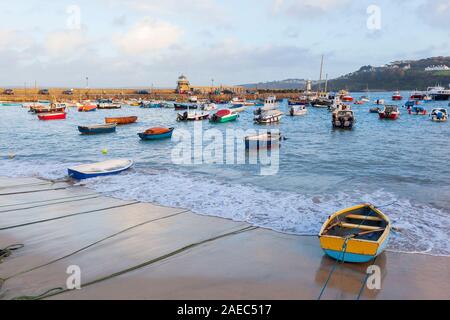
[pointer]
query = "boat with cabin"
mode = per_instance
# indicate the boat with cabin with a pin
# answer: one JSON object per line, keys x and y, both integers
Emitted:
{"x": 268, "y": 117}
{"x": 439, "y": 115}
{"x": 396, "y": 96}
{"x": 417, "y": 110}
{"x": 439, "y": 93}
{"x": 389, "y": 112}
{"x": 298, "y": 110}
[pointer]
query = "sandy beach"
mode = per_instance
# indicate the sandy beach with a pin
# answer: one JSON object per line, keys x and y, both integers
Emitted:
{"x": 134, "y": 250}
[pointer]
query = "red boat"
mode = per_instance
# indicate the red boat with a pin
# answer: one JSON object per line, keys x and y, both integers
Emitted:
{"x": 347, "y": 98}
{"x": 389, "y": 113}
{"x": 417, "y": 95}
{"x": 52, "y": 116}
{"x": 397, "y": 96}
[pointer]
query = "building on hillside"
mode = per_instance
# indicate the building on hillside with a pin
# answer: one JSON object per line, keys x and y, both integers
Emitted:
{"x": 442, "y": 67}
{"x": 184, "y": 86}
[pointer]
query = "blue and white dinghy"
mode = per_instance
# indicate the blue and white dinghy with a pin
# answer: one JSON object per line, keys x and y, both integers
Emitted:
{"x": 86, "y": 171}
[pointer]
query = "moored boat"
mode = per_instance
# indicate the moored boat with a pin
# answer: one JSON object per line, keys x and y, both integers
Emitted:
{"x": 121, "y": 120}
{"x": 109, "y": 167}
{"x": 356, "y": 235}
{"x": 224, "y": 115}
{"x": 417, "y": 95}
{"x": 267, "y": 117}
{"x": 298, "y": 110}
{"x": 417, "y": 110}
{"x": 183, "y": 106}
{"x": 156, "y": 133}
{"x": 439, "y": 115}
{"x": 87, "y": 108}
{"x": 374, "y": 110}
{"x": 396, "y": 96}
{"x": 389, "y": 113}
{"x": 343, "y": 118}
{"x": 97, "y": 128}
{"x": 52, "y": 116}
{"x": 263, "y": 141}
{"x": 192, "y": 116}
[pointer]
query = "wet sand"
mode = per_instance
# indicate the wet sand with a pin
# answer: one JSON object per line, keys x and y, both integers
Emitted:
{"x": 180, "y": 255}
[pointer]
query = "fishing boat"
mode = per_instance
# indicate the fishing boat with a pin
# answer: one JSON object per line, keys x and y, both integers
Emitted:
{"x": 343, "y": 118}
{"x": 52, "y": 116}
{"x": 97, "y": 128}
{"x": 356, "y": 235}
{"x": 396, "y": 96}
{"x": 192, "y": 116}
{"x": 150, "y": 105}
{"x": 364, "y": 99}
{"x": 50, "y": 108}
{"x": 417, "y": 110}
{"x": 417, "y": 95}
{"x": 267, "y": 117}
{"x": 87, "y": 108}
{"x": 439, "y": 93}
{"x": 108, "y": 105}
{"x": 156, "y": 134}
{"x": 263, "y": 141}
{"x": 389, "y": 113}
{"x": 270, "y": 103}
{"x": 345, "y": 96}
{"x": 121, "y": 120}
{"x": 224, "y": 115}
{"x": 86, "y": 171}
{"x": 439, "y": 115}
{"x": 298, "y": 110}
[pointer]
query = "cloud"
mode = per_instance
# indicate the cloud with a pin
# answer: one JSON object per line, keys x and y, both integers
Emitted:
{"x": 437, "y": 13}
{"x": 306, "y": 8}
{"x": 148, "y": 36}
{"x": 65, "y": 43}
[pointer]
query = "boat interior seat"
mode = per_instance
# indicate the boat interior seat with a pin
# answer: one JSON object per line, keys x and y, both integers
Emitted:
{"x": 361, "y": 217}
{"x": 357, "y": 226}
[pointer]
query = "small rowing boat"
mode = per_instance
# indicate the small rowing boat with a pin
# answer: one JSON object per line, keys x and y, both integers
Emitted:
{"x": 87, "y": 108}
{"x": 52, "y": 116}
{"x": 121, "y": 120}
{"x": 358, "y": 234}
{"x": 224, "y": 115}
{"x": 263, "y": 141}
{"x": 98, "y": 128}
{"x": 156, "y": 134}
{"x": 86, "y": 171}
{"x": 439, "y": 115}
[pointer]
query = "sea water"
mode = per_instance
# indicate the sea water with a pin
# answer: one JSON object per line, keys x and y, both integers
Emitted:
{"x": 401, "y": 165}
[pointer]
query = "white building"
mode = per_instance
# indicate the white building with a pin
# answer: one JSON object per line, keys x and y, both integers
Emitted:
{"x": 442, "y": 67}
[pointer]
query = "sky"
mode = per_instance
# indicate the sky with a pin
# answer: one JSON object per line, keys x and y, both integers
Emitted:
{"x": 143, "y": 43}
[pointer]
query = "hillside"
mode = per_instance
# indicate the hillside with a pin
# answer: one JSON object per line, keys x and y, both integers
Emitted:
{"x": 398, "y": 75}
{"x": 288, "y": 84}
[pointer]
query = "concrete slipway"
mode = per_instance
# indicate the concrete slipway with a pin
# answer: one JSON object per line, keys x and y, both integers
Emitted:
{"x": 156, "y": 252}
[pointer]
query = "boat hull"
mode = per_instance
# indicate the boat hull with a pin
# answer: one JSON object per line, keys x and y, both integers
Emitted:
{"x": 97, "y": 130}
{"x": 55, "y": 116}
{"x": 121, "y": 120}
{"x": 146, "y": 137}
{"x": 225, "y": 119}
{"x": 81, "y": 175}
{"x": 389, "y": 117}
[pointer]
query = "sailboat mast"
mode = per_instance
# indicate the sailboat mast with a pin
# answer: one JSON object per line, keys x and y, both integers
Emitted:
{"x": 320, "y": 77}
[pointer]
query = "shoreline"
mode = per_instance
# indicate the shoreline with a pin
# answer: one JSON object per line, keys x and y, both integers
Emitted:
{"x": 191, "y": 256}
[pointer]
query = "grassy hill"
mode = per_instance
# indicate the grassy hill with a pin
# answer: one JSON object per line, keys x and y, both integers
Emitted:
{"x": 399, "y": 75}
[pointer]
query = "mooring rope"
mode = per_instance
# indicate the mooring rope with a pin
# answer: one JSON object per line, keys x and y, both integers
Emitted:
{"x": 93, "y": 244}
{"x": 41, "y": 201}
{"x": 6, "y": 252}
{"x": 52, "y": 203}
{"x": 60, "y": 290}
{"x": 68, "y": 215}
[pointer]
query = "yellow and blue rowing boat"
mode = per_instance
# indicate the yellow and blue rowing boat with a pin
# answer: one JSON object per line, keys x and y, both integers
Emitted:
{"x": 358, "y": 234}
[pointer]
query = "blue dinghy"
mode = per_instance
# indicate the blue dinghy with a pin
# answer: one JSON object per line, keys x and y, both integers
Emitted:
{"x": 92, "y": 170}
{"x": 156, "y": 134}
{"x": 98, "y": 128}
